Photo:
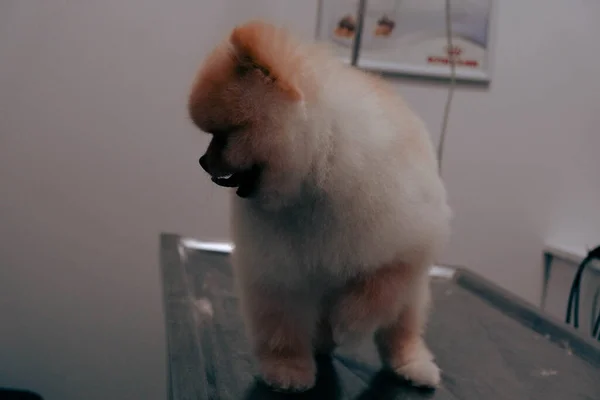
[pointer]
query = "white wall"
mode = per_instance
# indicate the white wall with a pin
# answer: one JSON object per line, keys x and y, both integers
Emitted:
{"x": 97, "y": 157}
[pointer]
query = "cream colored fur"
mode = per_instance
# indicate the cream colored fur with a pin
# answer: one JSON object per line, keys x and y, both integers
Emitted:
{"x": 354, "y": 187}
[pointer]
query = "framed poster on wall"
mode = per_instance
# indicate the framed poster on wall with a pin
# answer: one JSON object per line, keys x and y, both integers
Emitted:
{"x": 409, "y": 36}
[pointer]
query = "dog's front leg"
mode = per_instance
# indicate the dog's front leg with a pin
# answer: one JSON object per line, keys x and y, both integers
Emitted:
{"x": 281, "y": 326}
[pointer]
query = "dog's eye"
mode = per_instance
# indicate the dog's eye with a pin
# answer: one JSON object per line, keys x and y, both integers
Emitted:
{"x": 263, "y": 70}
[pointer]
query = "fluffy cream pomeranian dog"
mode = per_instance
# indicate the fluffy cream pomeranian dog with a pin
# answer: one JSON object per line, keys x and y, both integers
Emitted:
{"x": 339, "y": 209}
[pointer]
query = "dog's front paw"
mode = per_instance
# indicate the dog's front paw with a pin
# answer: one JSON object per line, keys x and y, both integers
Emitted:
{"x": 421, "y": 373}
{"x": 419, "y": 368}
{"x": 288, "y": 374}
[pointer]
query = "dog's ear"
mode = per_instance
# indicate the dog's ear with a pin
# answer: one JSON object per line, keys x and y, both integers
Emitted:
{"x": 271, "y": 51}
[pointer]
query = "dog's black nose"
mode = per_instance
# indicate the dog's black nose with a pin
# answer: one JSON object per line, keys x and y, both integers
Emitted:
{"x": 202, "y": 162}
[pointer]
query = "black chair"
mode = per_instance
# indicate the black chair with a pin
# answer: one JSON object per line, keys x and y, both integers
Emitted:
{"x": 573, "y": 305}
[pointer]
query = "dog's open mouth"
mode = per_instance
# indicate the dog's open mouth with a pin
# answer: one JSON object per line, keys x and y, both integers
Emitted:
{"x": 246, "y": 181}
{"x": 229, "y": 180}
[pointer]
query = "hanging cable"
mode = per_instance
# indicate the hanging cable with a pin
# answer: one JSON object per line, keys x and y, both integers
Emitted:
{"x": 360, "y": 20}
{"x": 452, "y": 62}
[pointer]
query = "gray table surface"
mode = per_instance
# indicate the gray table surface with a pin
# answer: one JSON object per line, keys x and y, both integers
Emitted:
{"x": 489, "y": 345}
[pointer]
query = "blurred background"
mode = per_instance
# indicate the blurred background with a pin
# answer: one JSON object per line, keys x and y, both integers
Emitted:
{"x": 98, "y": 157}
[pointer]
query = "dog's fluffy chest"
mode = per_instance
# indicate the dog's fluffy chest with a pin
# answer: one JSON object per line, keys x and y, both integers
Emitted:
{"x": 315, "y": 242}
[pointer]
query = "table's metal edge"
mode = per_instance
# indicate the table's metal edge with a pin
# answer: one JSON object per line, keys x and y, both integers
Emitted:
{"x": 530, "y": 316}
{"x": 168, "y": 247}
{"x": 225, "y": 248}
{"x": 176, "y": 301}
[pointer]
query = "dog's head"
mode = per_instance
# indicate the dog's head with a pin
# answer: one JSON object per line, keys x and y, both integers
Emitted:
{"x": 249, "y": 97}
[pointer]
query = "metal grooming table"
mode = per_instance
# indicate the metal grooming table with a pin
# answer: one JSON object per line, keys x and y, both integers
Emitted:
{"x": 489, "y": 344}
